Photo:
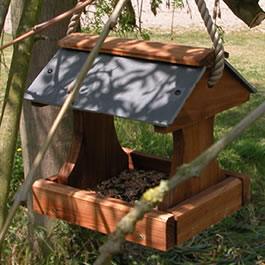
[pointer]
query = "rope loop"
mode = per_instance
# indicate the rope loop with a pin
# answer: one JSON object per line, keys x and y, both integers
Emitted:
{"x": 217, "y": 70}
{"x": 72, "y": 26}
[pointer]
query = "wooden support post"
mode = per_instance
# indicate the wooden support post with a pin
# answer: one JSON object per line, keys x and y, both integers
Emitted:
{"x": 95, "y": 154}
{"x": 189, "y": 142}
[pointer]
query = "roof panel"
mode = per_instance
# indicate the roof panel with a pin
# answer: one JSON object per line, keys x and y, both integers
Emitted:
{"x": 148, "y": 91}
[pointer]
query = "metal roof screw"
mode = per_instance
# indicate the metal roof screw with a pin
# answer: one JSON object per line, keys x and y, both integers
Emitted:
{"x": 178, "y": 92}
{"x": 140, "y": 237}
{"x": 50, "y": 71}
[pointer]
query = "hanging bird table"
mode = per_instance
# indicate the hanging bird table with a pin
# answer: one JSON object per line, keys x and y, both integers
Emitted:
{"x": 161, "y": 84}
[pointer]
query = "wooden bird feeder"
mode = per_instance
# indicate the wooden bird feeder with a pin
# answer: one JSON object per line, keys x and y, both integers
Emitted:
{"x": 161, "y": 84}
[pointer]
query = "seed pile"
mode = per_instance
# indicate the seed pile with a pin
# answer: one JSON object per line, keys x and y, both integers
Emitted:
{"x": 130, "y": 184}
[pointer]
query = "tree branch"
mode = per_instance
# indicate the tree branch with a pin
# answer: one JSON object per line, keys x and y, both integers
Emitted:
{"x": 42, "y": 26}
{"x": 152, "y": 197}
{"x": 248, "y": 11}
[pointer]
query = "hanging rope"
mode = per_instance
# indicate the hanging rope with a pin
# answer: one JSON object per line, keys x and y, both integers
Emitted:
{"x": 72, "y": 26}
{"x": 218, "y": 67}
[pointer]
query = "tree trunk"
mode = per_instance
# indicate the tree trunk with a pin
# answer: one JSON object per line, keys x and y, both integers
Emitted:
{"x": 36, "y": 121}
{"x": 13, "y": 102}
{"x": 4, "y": 5}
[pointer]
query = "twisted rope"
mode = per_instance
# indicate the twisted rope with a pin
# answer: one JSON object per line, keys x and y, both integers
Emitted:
{"x": 72, "y": 26}
{"x": 217, "y": 70}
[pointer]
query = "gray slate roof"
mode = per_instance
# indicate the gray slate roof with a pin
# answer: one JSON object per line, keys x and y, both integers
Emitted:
{"x": 148, "y": 91}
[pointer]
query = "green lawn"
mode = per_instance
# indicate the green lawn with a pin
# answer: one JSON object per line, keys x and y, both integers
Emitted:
{"x": 239, "y": 239}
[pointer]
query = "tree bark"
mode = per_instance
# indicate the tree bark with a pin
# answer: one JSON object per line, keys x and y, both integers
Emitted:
{"x": 36, "y": 121}
{"x": 247, "y": 10}
{"x": 13, "y": 102}
{"x": 4, "y": 5}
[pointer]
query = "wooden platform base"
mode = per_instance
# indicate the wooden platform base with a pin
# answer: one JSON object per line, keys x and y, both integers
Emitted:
{"x": 158, "y": 229}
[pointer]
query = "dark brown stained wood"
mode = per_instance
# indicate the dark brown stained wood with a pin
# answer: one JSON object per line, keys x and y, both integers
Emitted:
{"x": 95, "y": 154}
{"x": 207, "y": 208}
{"x": 142, "y": 49}
{"x": 85, "y": 208}
{"x": 205, "y": 102}
{"x": 246, "y": 185}
{"x": 39, "y": 105}
{"x": 189, "y": 143}
{"x": 77, "y": 139}
{"x": 140, "y": 160}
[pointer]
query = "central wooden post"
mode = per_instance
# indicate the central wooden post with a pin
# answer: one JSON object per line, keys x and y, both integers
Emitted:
{"x": 189, "y": 142}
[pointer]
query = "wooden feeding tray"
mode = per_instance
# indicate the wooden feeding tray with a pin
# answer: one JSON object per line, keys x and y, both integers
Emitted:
{"x": 164, "y": 85}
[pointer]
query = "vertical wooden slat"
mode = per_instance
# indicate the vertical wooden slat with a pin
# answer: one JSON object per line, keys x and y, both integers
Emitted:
{"x": 189, "y": 143}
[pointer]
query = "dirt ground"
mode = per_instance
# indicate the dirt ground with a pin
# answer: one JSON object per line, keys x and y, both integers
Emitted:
{"x": 190, "y": 17}
{"x": 183, "y": 18}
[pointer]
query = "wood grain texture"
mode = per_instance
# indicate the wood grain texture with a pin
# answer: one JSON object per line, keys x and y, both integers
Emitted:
{"x": 95, "y": 154}
{"x": 186, "y": 55}
{"x": 207, "y": 208}
{"x": 205, "y": 102}
{"x": 85, "y": 208}
{"x": 245, "y": 182}
{"x": 189, "y": 143}
{"x": 77, "y": 139}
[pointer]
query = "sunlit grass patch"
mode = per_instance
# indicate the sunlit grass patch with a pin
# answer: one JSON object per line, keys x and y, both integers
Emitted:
{"x": 141, "y": 136}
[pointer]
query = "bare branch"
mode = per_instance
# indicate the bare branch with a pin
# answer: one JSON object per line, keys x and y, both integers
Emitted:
{"x": 42, "y": 26}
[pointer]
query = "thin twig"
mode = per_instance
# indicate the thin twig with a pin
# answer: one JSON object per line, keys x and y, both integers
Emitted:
{"x": 73, "y": 89}
{"x": 44, "y": 25}
{"x": 172, "y": 22}
{"x": 140, "y": 12}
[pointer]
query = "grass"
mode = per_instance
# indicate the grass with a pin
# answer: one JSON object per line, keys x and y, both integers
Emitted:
{"x": 239, "y": 239}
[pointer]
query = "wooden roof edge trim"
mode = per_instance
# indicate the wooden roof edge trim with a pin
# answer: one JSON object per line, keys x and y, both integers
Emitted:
{"x": 179, "y": 54}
